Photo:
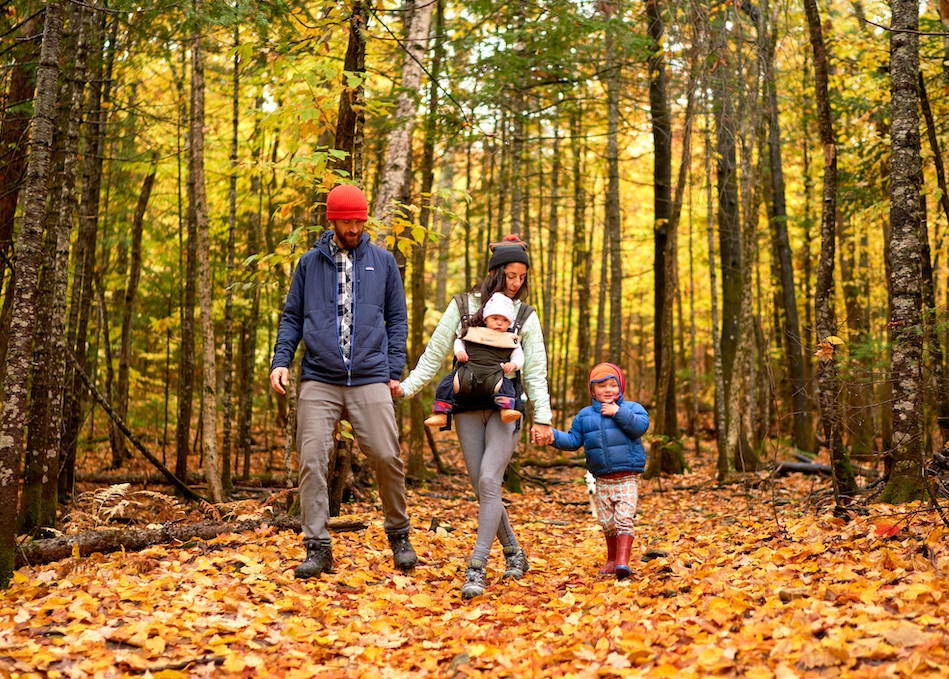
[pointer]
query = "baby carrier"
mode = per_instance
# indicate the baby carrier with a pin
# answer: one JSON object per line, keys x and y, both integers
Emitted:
{"x": 475, "y": 379}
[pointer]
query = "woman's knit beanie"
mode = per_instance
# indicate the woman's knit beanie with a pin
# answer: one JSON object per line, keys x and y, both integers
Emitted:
{"x": 511, "y": 249}
{"x": 604, "y": 371}
{"x": 347, "y": 201}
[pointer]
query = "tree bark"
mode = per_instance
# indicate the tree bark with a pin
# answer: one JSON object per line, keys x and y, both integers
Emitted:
{"x": 664, "y": 288}
{"x": 582, "y": 259}
{"x": 13, "y": 154}
{"x": 906, "y": 480}
{"x": 108, "y": 540}
{"x": 29, "y": 252}
{"x": 39, "y": 500}
{"x": 612, "y": 217}
{"x": 84, "y": 252}
{"x": 399, "y": 151}
{"x": 212, "y": 466}
{"x": 120, "y": 453}
{"x": 845, "y": 486}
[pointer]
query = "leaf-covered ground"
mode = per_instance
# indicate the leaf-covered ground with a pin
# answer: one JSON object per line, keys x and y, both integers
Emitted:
{"x": 753, "y": 579}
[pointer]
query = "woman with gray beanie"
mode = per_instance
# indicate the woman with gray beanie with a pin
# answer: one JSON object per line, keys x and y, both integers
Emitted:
{"x": 487, "y": 442}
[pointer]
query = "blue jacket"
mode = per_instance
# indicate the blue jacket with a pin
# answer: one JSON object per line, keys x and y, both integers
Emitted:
{"x": 610, "y": 444}
{"x": 380, "y": 322}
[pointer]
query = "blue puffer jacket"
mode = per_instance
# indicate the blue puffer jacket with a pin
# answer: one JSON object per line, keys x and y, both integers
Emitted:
{"x": 380, "y": 321}
{"x": 611, "y": 444}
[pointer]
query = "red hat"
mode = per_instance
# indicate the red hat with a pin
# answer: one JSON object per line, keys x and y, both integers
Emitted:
{"x": 347, "y": 201}
{"x": 604, "y": 371}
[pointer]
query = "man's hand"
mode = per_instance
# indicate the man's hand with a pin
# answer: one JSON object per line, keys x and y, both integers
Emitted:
{"x": 395, "y": 388}
{"x": 279, "y": 379}
{"x": 609, "y": 409}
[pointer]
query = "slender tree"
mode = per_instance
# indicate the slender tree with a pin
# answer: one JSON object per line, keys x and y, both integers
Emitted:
{"x": 212, "y": 468}
{"x": 824, "y": 316}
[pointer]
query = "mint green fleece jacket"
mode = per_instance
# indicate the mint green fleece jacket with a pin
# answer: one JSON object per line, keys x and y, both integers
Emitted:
{"x": 443, "y": 337}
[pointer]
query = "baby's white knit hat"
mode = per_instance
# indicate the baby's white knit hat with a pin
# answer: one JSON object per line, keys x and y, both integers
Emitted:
{"x": 499, "y": 305}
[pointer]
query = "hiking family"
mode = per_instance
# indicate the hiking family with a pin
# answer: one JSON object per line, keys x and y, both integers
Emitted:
{"x": 346, "y": 303}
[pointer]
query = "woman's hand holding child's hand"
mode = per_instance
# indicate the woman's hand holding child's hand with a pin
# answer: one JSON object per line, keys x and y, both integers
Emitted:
{"x": 609, "y": 409}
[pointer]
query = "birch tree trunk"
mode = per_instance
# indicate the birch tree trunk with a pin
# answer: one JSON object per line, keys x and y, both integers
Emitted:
{"x": 825, "y": 320}
{"x": 392, "y": 188}
{"x": 212, "y": 466}
{"x": 906, "y": 480}
{"x": 29, "y": 253}
{"x": 13, "y": 154}
{"x": 39, "y": 502}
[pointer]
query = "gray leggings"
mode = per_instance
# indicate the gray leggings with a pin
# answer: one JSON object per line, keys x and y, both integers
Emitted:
{"x": 487, "y": 445}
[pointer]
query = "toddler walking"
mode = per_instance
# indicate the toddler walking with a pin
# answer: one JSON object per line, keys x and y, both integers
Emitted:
{"x": 610, "y": 431}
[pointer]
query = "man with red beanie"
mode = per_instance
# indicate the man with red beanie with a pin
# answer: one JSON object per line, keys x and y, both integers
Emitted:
{"x": 610, "y": 432}
{"x": 347, "y": 303}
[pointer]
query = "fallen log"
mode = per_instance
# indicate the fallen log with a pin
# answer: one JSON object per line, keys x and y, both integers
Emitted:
{"x": 104, "y": 541}
{"x": 556, "y": 462}
{"x": 808, "y": 466}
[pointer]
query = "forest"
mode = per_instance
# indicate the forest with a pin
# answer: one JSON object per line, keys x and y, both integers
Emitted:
{"x": 741, "y": 203}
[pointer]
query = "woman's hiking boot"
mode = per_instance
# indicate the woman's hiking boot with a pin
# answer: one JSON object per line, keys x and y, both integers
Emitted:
{"x": 516, "y": 563}
{"x": 403, "y": 555}
{"x": 476, "y": 579}
{"x": 623, "y": 543}
{"x": 319, "y": 559}
{"x": 610, "y": 566}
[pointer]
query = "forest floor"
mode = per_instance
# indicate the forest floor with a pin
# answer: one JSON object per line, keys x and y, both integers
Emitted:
{"x": 757, "y": 578}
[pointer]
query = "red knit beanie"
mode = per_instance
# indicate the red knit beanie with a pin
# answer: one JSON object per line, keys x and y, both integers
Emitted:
{"x": 347, "y": 202}
{"x": 604, "y": 371}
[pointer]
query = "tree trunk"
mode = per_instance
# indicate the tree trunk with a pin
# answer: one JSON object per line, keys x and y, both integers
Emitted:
{"x": 186, "y": 363}
{"x": 664, "y": 289}
{"x": 29, "y": 253}
{"x": 845, "y": 486}
{"x": 13, "y": 154}
{"x": 802, "y": 434}
{"x": 39, "y": 500}
{"x": 582, "y": 260}
{"x": 351, "y": 100}
{"x": 212, "y": 467}
{"x": 415, "y": 467}
{"x": 612, "y": 216}
{"x": 84, "y": 252}
{"x": 399, "y": 151}
{"x": 120, "y": 454}
{"x": 227, "y": 389}
{"x": 906, "y": 480}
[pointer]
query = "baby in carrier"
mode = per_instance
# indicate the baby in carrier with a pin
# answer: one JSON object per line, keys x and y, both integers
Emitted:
{"x": 486, "y": 352}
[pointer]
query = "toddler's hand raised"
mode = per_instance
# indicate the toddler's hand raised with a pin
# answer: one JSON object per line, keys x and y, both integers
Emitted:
{"x": 609, "y": 409}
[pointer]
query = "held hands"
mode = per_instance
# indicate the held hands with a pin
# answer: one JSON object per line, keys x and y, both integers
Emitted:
{"x": 542, "y": 435}
{"x": 395, "y": 388}
{"x": 609, "y": 409}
